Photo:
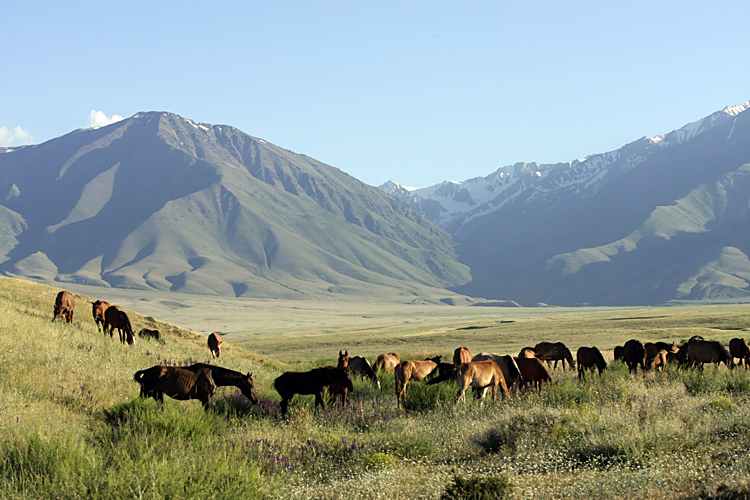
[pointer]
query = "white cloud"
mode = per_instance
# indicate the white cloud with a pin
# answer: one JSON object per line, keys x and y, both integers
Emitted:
{"x": 15, "y": 137}
{"x": 99, "y": 119}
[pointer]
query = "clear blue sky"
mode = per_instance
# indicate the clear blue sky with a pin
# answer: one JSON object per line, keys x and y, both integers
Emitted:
{"x": 415, "y": 91}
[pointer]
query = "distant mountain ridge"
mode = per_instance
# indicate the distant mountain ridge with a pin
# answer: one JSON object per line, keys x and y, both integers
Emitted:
{"x": 160, "y": 201}
{"x": 611, "y": 228}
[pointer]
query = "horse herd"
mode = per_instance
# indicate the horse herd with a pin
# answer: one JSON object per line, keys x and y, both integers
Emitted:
{"x": 482, "y": 372}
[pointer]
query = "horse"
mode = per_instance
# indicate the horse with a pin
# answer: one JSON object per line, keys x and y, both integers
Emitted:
{"x": 635, "y": 355}
{"x": 339, "y": 389}
{"x": 708, "y": 351}
{"x": 97, "y": 311}
{"x": 224, "y": 377}
{"x": 554, "y": 351}
{"x": 311, "y": 382}
{"x": 589, "y": 357}
{"x": 527, "y": 352}
{"x": 480, "y": 375}
{"x": 115, "y": 318}
{"x": 619, "y": 353}
{"x": 387, "y": 362}
{"x": 407, "y": 370}
{"x": 444, "y": 371}
{"x": 65, "y": 302}
{"x": 509, "y": 367}
{"x": 177, "y": 383}
{"x": 146, "y": 333}
{"x": 214, "y": 344}
{"x": 659, "y": 360}
{"x": 359, "y": 365}
{"x": 738, "y": 348}
{"x": 461, "y": 355}
{"x": 653, "y": 348}
{"x": 533, "y": 370}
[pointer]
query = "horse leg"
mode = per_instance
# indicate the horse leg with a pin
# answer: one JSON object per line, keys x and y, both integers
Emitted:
{"x": 319, "y": 400}
{"x": 284, "y": 406}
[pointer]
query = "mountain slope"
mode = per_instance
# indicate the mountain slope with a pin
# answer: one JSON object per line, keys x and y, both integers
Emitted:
{"x": 159, "y": 201}
{"x": 660, "y": 219}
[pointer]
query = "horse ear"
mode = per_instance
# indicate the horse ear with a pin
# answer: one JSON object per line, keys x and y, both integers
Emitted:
{"x": 346, "y": 353}
{"x": 341, "y": 353}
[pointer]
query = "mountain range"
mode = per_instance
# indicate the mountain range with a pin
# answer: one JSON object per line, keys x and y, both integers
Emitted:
{"x": 661, "y": 219}
{"x": 157, "y": 201}
{"x": 161, "y": 202}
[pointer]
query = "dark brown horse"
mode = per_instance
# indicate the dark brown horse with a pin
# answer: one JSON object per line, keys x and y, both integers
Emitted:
{"x": 589, "y": 357}
{"x": 146, "y": 333}
{"x": 738, "y": 348}
{"x": 708, "y": 351}
{"x": 358, "y": 365}
{"x": 554, "y": 351}
{"x": 97, "y": 311}
{"x": 635, "y": 355}
{"x": 115, "y": 318}
{"x": 214, "y": 344}
{"x": 338, "y": 389}
{"x": 311, "y": 382}
{"x": 64, "y": 305}
{"x": 224, "y": 377}
{"x": 177, "y": 383}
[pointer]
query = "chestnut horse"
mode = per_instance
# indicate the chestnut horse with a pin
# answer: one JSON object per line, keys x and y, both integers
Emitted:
{"x": 359, "y": 365}
{"x": 115, "y": 318}
{"x": 589, "y": 357}
{"x": 214, "y": 344}
{"x": 97, "y": 311}
{"x": 407, "y": 370}
{"x": 177, "y": 383}
{"x": 481, "y": 375}
{"x": 386, "y": 362}
{"x": 509, "y": 367}
{"x": 65, "y": 302}
{"x": 311, "y": 382}
{"x": 461, "y": 355}
{"x": 533, "y": 370}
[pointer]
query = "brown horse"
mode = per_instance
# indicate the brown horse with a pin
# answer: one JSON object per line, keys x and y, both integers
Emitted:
{"x": 533, "y": 370}
{"x": 115, "y": 318}
{"x": 480, "y": 375}
{"x": 224, "y": 377}
{"x": 708, "y": 351}
{"x": 407, "y": 370}
{"x": 461, "y": 355}
{"x": 359, "y": 365}
{"x": 151, "y": 334}
{"x": 635, "y": 355}
{"x": 738, "y": 348}
{"x": 338, "y": 389}
{"x": 653, "y": 348}
{"x": 589, "y": 357}
{"x": 214, "y": 344}
{"x": 177, "y": 383}
{"x": 97, "y": 311}
{"x": 65, "y": 302}
{"x": 659, "y": 360}
{"x": 527, "y": 352}
{"x": 619, "y": 353}
{"x": 311, "y": 382}
{"x": 554, "y": 351}
{"x": 508, "y": 366}
{"x": 387, "y": 362}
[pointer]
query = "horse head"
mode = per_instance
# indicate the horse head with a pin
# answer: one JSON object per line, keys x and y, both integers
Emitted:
{"x": 247, "y": 387}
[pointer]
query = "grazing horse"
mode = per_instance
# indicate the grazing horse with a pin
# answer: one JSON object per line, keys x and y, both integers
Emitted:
{"x": 635, "y": 355}
{"x": 533, "y": 370}
{"x": 177, "y": 383}
{"x": 738, "y": 348}
{"x": 115, "y": 318}
{"x": 527, "y": 352}
{"x": 480, "y": 375}
{"x": 407, "y": 370}
{"x": 339, "y": 389}
{"x": 708, "y": 351}
{"x": 97, "y": 311}
{"x": 619, "y": 353}
{"x": 311, "y": 382}
{"x": 65, "y": 302}
{"x": 658, "y": 361}
{"x": 223, "y": 377}
{"x": 653, "y": 348}
{"x": 589, "y": 357}
{"x": 444, "y": 371}
{"x": 387, "y": 362}
{"x": 214, "y": 344}
{"x": 509, "y": 367}
{"x": 146, "y": 333}
{"x": 359, "y": 365}
{"x": 461, "y": 355}
{"x": 554, "y": 351}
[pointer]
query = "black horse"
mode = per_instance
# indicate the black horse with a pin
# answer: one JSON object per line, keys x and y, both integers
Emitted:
{"x": 225, "y": 377}
{"x": 312, "y": 382}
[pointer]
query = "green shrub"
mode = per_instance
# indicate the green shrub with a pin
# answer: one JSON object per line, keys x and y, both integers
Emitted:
{"x": 380, "y": 461}
{"x": 478, "y": 488}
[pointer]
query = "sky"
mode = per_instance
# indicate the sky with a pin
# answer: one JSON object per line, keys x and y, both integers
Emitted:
{"x": 414, "y": 91}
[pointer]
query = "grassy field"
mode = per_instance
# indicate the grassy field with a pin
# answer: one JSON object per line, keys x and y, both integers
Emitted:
{"x": 72, "y": 426}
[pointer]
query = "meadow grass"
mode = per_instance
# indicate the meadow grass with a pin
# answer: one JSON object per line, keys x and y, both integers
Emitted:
{"x": 72, "y": 426}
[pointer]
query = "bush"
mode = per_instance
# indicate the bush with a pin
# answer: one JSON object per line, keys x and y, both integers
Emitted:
{"x": 478, "y": 488}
